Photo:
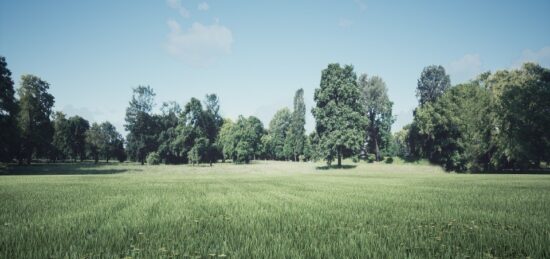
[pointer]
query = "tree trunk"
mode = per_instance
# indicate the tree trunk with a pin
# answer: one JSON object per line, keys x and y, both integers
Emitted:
{"x": 377, "y": 150}
{"x": 339, "y": 157}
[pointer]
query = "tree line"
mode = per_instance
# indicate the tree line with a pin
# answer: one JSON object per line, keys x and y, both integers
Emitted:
{"x": 497, "y": 121}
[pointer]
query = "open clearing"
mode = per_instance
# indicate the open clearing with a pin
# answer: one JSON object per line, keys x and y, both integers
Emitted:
{"x": 271, "y": 209}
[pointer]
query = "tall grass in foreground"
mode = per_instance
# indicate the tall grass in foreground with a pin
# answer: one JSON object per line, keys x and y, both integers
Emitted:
{"x": 271, "y": 209}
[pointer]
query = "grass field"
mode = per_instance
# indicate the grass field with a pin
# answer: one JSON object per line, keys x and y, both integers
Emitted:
{"x": 270, "y": 209}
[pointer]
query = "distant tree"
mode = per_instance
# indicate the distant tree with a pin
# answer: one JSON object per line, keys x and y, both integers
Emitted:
{"x": 61, "y": 137}
{"x": 257, "y": 127}
{"x": 278, "y": 130}
{"x": 339, "y": 113}
{"x": 141, "y": 125}
{"x": 170, "y": 150}
{"x": 378, "y": 108}
{"x": 521, "y": 105}
{"x": 77, "y": 137}
{"x": 225, "y": 139}
{"x": 432, "y": 83}
{"x": 112, "y": 139}
{"x": 199, "y": 151}
{"x": 95, "y": 140}
{"x": 9, "y": 137}
{"x": 295, "y": 139}
{"x": 34, "y": 117}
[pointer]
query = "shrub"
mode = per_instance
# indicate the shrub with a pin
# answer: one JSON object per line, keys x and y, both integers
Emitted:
{"x": 153, "y": 158}
{"x": 371, "y": 158}
{"x": 355, "y": 159}
{"x": 389, "y": 160}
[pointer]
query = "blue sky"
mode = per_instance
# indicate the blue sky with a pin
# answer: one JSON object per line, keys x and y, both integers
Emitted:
{"x": 256, "y": 54}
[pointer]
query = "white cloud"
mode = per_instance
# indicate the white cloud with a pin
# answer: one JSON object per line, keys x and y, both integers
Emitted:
{"x": 465, "y": 68}
{"x": 200, "y": 44}
{"x": 542, "y": 57}
{"x": 176, "y": 4}
{"x": 345, "y": 23}
{"x": 362, "y": 5}
{"x": 203, "y": 6}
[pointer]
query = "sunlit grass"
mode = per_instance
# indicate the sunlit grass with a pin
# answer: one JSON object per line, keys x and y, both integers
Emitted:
{"x": 271, "y": 209}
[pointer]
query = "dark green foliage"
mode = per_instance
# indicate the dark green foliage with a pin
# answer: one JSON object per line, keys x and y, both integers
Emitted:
{"x": 170, "y": 150}
{"x": 432, "y": 83}
{"x": 61, "y": 145}
{"x": 295, "y": 139}
{"x": 339, "y": 113}
{"x": 141, "y": 124}
{"x": 34, "y": 118}
{"x": 378, "y": 109}
{"x": 278, "y": 130}
{"x": 77, "y": 137}
{"x": 242, "y": 141}
{"x": 95, "y": 140}
{"x": 9, "y": 135}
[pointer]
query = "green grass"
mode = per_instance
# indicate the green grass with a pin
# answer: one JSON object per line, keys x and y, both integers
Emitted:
{"x": 271, "y": 209}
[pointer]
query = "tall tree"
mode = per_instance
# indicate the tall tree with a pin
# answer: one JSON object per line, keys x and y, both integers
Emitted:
{"x": 295, "y": 140}
{"x": 95, "y": 140}
{"x": 8, "y": 115}
{"x": 61, "y": 137}
{"x": 77, "y": 137}
{"x": 378, "y": 109}
{"x": 140, "y": 124}
{"x": 169, "y": 149}
{"x": 339, "y": 113}
{"x": 111, "y": 141}
{"x": 34, "y": 117}
{"x": 432, "y": 83}
{"x": 278, "y": 129}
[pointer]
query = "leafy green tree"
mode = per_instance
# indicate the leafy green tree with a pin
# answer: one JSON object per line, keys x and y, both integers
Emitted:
{"x": 112, "y": 139}
{"x": 95, "y": 140}
{"x": 199, "y": 151}
{"x": 295, "y": 139}
{"x": 432, "y": 83}
{"x": 61, "y": 137}
{"x": 521, "y": 106}
{"x": 170, "y": 150}
{"x": 77, "y": 137}
{"x": 378, "y": 108}
{"x": 339, "y": 113}
{"x": 9, "y": 136}
{"x": 278, "y": 129}
{"x": 34, "y": 117}
{"x": 141, "y": 125}
{"x": 225, "y": 139}
{"x": 257, "y": 127}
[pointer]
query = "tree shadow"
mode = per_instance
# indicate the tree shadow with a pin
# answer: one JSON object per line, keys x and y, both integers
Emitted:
{"x": 326, "y": 167}
{"x": 83, "y": 168}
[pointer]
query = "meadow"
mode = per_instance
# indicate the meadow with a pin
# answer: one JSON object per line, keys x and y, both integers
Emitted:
{"x": 270, "y": 209}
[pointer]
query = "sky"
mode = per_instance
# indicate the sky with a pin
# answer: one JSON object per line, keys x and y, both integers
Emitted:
{"x": 254, "y": 55}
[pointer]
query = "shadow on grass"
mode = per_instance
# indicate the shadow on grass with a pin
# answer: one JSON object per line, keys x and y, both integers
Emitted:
{"x": 82, "y": 168}
{"x": 326, "y": 167}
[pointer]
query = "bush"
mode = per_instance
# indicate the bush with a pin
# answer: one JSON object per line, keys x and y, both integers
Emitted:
{"x": 153, "y": 158}
{"x": 355, "y": 159}
{"x": 389, "y": 160}
{"x": 371, "y": 158}
{"x": 302, "y": 158}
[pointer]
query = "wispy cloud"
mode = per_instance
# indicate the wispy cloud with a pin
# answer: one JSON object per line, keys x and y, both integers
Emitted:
{"x": 345, "y": 23}
{"x": 465, "y": 68}
{"x": 177, "y": 5}
{"x": 203, "y": 6}
{"x": 361, "y": 4}
{"x": 199, "y": 45}
{"x": 541, "y": 57}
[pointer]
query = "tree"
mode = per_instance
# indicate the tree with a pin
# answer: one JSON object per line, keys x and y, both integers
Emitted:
{"x": 95, "y": 141}
{"x": 61, "y": 137}
{"x": 225, "y": 139}
{"x": 378, "y": 108}
{"x": 77, "y": 137}
{"x": 278, "y": 130}
{"x": 295, "y": 140}
{"x": 432, "y": 83}
{"x": 521, "y": 103}
{"x": 8, "y": 115}
{"x": 199, "y": 151}
{"x": 339, "y": 113}
{"x": 34, "y": 117}
{"x": 142, "y": 127}
{"x": 170, "y": 150}
{"x": 111, "y": 141}
{"x": 257, "y": 127}
{"x": 241, "y": 141}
